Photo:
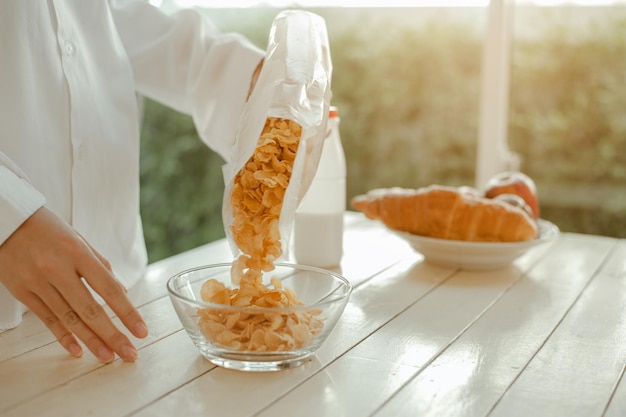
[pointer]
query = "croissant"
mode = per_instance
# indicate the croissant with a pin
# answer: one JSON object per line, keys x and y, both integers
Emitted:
{"x": 447, "y": 213}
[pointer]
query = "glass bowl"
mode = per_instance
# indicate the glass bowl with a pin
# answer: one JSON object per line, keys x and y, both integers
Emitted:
{"x": 252, "y": 338}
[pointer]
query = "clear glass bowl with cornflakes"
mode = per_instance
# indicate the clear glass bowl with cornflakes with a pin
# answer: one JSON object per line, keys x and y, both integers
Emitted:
{"x": 278, "y": 322}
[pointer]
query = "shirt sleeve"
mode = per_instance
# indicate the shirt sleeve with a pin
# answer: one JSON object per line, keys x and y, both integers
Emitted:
{"x": 18, "y": 198}
{"x": 183, "y": 61}
{"x": 18, "y": 201}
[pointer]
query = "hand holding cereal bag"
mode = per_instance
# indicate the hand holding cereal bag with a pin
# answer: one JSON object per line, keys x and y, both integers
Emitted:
{"x": 279, "y": 142}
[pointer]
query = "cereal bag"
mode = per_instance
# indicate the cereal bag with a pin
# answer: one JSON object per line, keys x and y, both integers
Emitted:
{"x": 276, "y": 153}
{"x": 279, "y": 142}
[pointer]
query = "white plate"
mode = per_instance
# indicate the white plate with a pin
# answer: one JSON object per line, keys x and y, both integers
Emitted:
{"x": 476, "y": 255}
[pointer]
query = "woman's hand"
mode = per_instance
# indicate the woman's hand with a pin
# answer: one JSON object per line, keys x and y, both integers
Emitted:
{"x": 43, "y": 264}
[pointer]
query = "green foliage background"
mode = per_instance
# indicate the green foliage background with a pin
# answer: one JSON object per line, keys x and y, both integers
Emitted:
{"x": 182, "y": 184}
{"x": 407, "y": 84}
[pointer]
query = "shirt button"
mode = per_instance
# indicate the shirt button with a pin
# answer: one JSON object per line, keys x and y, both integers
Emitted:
{"x": 70, "y": 49}
{"x": 80, "y": 152}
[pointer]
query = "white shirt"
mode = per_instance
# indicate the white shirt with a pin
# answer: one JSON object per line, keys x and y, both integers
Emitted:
{"x": 69, "y": 123}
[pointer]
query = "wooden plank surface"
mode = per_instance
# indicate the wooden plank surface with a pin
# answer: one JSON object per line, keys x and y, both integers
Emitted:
{"x": 371, "y": 306}
{"x": 469, "y": 377}
{"x": 411, "y": 339}
{"x": 53, "y": 361}
{"x": 617, "y": 405}
{"x": 583, "y": 359}
{"x": 542, "y": 337}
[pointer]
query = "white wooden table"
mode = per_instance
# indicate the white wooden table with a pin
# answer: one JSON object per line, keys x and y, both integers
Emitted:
{"x": 544, "y": 337}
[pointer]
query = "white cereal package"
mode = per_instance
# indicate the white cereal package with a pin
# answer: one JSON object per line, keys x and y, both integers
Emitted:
{"x": 278, "y": 145}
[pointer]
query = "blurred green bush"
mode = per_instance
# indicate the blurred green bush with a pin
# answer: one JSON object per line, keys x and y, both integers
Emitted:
{"x": 181, "y": 184}
{"x": 407, "y": 83}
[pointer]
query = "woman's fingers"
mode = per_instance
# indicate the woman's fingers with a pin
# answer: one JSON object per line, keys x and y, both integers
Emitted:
{"x": 104, "y": 262}
{"x": 104, "y": 283}
{"x": 43, "y": 265}
{"x": 86, "y": 320}
{"x": 65, "y": 337}
{"x": 93, "y": 324}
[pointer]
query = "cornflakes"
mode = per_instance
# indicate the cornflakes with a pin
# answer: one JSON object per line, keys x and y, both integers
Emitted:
{"x": 256, "y": 201}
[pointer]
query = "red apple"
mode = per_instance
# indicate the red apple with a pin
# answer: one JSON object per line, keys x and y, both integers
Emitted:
{"x": 514, "y": 182}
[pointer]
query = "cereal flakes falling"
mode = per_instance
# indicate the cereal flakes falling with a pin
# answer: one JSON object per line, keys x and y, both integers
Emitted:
{"x": 256, "y": 200}
{"x": 258, "y": 193}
